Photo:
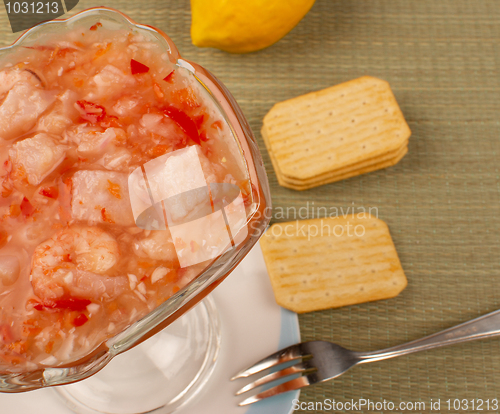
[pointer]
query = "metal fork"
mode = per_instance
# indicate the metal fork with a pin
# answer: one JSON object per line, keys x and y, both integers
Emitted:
{"x": 321, "y": 361}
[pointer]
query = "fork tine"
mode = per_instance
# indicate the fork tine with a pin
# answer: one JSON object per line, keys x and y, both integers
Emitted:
{"x": 292, "y": 385}
{"x": 284, "y": 355}
{"x": 294, "y": 369}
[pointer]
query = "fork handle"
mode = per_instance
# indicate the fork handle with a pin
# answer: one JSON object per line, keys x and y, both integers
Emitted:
{"x": 483, "y": 327}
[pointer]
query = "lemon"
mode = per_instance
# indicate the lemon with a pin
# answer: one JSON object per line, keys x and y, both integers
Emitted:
{"x": 241, "y": 26}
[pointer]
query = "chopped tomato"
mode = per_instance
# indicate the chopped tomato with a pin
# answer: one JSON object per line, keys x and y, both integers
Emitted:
{"x": 90, "y": 111}
{"x": 50, "y": 192}
{"x": 158, "y": 150}
{"x": 26, "y": 208}
{"x": 198, "y": 120}
{"x": 95, "y": 26}
{"x": 114, "y": 189}
{"x": 185, "y": 98}
{"x": 184, "y": 122}
{"x": 102, "y": 50}
{"x": 158, "y": 91}
{"x": 203, "y": 136}
{"x": 138, "y": 67}
{"x": 80, "y": 320}
{"x": 105, "y": 217}
{"x": 49, "y": 347}
{"x": 74, "y": 304}
{"x": 14, "y": 210}
{"x": 169, "y": 78}
{"x": 217, "y": 125}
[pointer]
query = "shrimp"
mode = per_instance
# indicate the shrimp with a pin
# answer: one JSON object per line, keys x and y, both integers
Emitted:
{"x": 74, "y": 262}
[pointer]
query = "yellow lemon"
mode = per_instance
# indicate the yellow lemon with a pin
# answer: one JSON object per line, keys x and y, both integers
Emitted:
{"x": 241, "y": 26}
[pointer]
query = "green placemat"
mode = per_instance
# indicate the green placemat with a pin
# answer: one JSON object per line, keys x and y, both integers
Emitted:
{"x": 441, "y": 202}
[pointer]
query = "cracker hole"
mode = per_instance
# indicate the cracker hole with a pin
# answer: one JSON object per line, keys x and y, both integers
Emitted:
{"x": 364, "y": 102}
{"x": 386, "y": 110}
{"x": 307, "y": 149}
{"x": 361, "y": 289}
{"x": 364, "y": 146}
{"x": 373, "y": 270}
{"x": 297, "y": 123}
{"x": 295, "y": 250}
{"x": 339, "y": 276}
{"x": 352, "y": 259}
{"x": 291, "y": 298}
{"x": 282, "y": 268}
{"x": 375, "y": 128}
{"x": 394, "y": 283}
{"x": 342, "y": 95}
{"x": 304, "y": 282}
{"x": 352, "y": 120}
{"x": 319, "y": 131}
{"x": 341, "y": 138}
{"x": 327, "y": 293}
{"x": 330, "y": 113}
{"x": 329, "y": 157}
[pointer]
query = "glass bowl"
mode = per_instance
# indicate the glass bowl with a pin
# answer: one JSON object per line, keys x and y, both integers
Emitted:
{"x": 256, "y": 220}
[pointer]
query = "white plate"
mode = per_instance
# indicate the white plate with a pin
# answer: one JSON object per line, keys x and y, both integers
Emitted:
{"x": 253, "y": 326}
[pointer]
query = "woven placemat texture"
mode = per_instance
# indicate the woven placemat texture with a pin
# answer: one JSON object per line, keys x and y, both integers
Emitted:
{"x": 442, "y": 202}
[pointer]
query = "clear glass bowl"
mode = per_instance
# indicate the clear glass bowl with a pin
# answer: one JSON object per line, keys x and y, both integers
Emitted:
{"x": 257, "y": 215}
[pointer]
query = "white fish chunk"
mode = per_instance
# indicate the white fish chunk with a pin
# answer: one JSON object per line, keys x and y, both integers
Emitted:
{"x": 101, "y": 197}
{"x": 92, "y": 140}
{"x": 9, "y": 77}
{"x": 111, "y": 81}
{"x": 35, "y": 158}
{"x": 21, "y": 109}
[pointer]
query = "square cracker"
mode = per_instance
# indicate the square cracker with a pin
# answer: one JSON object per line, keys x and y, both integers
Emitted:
{"x": 373, "y": 164}
{"x": 336, "y": 127}
{"x": 349, "y": 174}
{"x": 331, "y": 262}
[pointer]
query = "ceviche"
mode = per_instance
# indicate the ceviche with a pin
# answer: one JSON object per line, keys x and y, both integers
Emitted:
{"x": 80, "y": 117}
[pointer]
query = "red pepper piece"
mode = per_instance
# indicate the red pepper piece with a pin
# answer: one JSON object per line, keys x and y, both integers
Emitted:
{"x": 73, "y": 304}
{"x": 198, "y": 120}
{"x": 184, "y": 122}
{"x": 169, "y": 78}
{"x": 90, "y": 111}
{"x": 138, "y": 67}
{"x": 80, "y": 320}
{"x": 26, "y": 207}
{"x": 95, "y": 26}
{"x": 50, "y": 192}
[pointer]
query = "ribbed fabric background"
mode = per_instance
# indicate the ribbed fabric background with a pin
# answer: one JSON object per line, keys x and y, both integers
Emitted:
{"x": 442, "y": 59}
